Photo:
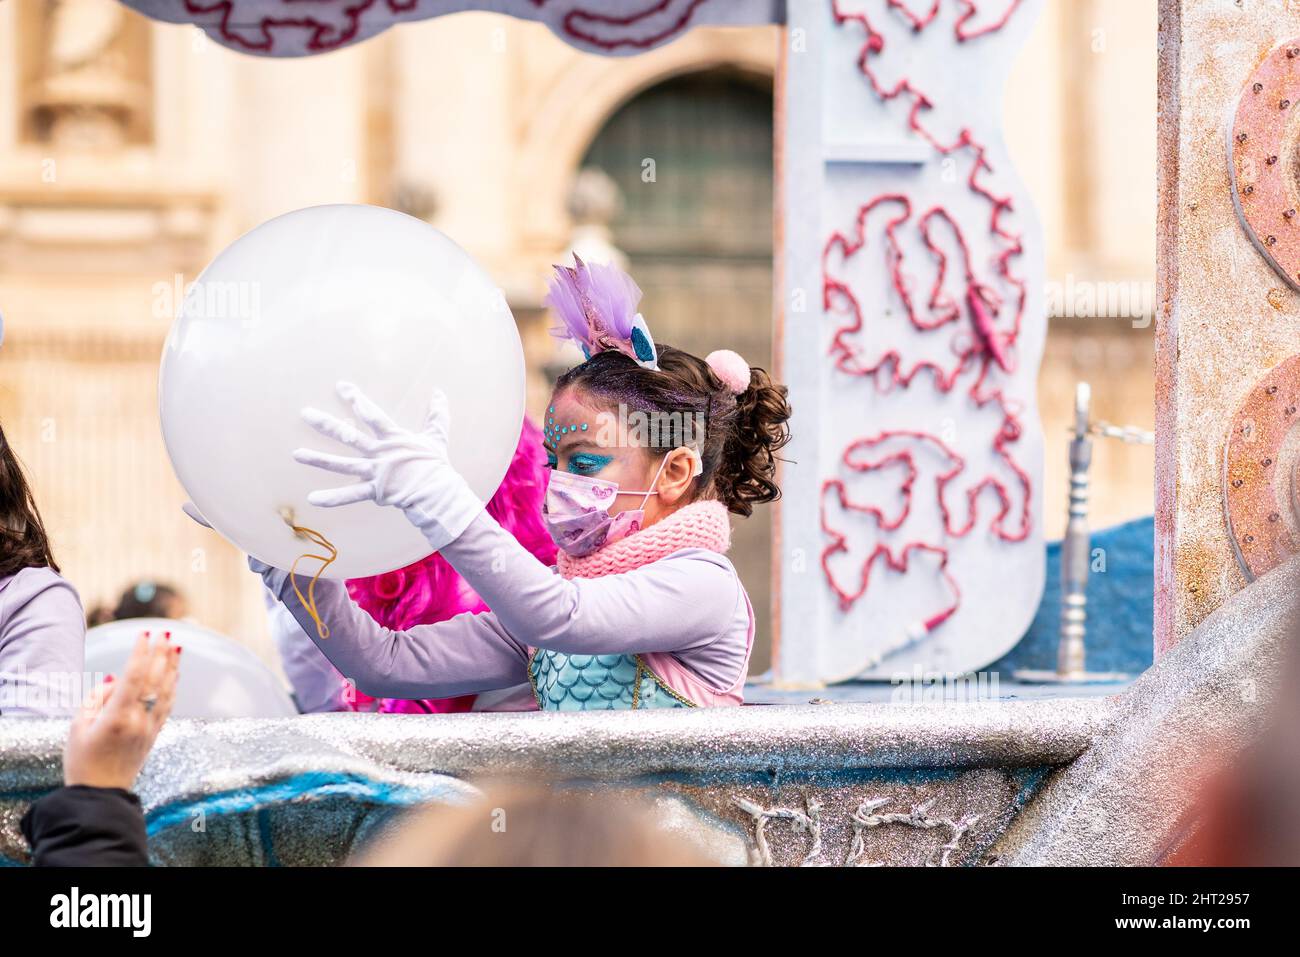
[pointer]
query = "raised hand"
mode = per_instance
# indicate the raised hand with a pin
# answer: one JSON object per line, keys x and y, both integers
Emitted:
{"x": 113, "y": 732}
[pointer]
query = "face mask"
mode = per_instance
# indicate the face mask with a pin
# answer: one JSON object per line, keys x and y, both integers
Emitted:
{"x": 576, "y": 512}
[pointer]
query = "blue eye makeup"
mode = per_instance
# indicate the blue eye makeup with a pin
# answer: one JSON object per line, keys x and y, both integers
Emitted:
{"x": 586, "y": 463}
{"x": 551, "y": 460}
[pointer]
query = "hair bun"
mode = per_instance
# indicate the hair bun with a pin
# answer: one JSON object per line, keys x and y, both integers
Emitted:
{"x": 730, "y": 368}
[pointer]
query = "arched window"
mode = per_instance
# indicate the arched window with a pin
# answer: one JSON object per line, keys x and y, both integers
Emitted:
{"x": 692, "y": 158}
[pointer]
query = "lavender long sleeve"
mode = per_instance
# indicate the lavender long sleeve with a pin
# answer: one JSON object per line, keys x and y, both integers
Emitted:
{"x": 42, "y": 644}
{"x": 690, "y": 603}
{"x": 317, "y": 687}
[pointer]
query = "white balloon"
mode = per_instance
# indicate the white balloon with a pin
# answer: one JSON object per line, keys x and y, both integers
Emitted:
{"x": 219, "y": 678}
{"x": 333, "y": 292}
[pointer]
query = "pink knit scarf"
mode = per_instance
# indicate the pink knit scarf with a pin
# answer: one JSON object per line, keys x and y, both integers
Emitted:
{"x": 698, "y": 525}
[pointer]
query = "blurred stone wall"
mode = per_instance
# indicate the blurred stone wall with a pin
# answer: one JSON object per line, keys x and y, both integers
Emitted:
{"x": 131, "y": 152}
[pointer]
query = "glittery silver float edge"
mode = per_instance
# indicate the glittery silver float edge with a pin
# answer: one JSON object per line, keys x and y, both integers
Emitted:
{"x": 1046, "y": 781}
{"x": 714, "y": 757}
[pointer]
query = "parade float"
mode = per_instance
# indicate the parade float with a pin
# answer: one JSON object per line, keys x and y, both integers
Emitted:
{"x": 947, "y": 689}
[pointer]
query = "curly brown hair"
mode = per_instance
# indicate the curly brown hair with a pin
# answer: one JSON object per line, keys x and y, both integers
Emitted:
{"x": 742, "y": 433}
{"x": 23, "y": 542}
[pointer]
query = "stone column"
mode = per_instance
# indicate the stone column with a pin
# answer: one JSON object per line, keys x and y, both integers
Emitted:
{"x": 1225, "y": 315}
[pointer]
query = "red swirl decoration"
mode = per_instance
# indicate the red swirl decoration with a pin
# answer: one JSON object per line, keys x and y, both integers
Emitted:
{"x": 678, "y": 18}
{"x": 981, "y": 353}
{"x": 325, "y": 35}
{"x": 335, "y": 23}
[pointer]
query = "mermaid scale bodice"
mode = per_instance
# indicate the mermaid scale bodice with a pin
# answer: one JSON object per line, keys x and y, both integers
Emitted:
{"x": 596, "y": 683}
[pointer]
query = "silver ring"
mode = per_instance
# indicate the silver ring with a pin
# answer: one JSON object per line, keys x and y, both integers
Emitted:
{"x": 148, "y": 700}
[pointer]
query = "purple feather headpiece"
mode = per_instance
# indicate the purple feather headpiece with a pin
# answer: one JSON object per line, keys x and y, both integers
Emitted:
{"x": 596, "y": 303}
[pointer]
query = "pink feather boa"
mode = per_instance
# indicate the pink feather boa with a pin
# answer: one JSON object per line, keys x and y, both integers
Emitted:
{"x": 430, "y": 590}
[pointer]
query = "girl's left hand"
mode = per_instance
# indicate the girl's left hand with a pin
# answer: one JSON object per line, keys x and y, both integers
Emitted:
{"x": 396, "y": 466}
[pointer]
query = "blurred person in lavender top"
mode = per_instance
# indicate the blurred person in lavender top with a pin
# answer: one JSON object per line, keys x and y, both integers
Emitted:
{"x": 42, "y": 625}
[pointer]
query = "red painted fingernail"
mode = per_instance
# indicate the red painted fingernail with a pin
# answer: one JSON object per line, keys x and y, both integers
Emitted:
{"x": 108, "y": 679}
{"x": 167, "y": 635}
{"x": 178, "y": 649}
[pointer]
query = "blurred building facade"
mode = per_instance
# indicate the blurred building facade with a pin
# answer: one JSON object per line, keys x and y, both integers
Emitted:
{"x": 131, "y": 152}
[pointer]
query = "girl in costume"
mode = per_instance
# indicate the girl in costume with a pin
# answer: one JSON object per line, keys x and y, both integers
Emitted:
{"x": 422, "y": 593}
{"x": 649, "y": 449}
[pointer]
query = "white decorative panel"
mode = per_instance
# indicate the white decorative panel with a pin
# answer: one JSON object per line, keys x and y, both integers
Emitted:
{"x": 913, "y": 328}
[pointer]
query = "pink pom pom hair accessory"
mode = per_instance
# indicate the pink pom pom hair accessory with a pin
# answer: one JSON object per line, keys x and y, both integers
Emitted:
{"x": 597, "y": 307}
{"x": 731, "y": 368}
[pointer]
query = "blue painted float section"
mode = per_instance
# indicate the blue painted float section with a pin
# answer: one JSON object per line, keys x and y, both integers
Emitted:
{"x": 300, "y": 787}
{"x": 1120, "y": 601}
{"x": 1121, "y": 592}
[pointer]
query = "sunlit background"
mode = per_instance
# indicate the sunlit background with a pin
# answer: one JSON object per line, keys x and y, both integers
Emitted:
{"x": 132, "y": 151}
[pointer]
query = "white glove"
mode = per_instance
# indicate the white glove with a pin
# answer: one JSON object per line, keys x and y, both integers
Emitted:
{"x": 398, "y": 467}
